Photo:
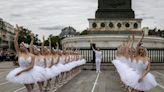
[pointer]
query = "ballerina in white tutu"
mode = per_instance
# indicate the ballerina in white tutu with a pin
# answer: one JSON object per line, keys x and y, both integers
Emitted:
{"x": 68, "y": 66}
{"x": 26, "y": 73}
{"x": 133, "y": 67}
{"x": 55, "y": 68}
{"x": 48, "y": 64}
{"x": 39, "y": 63}
{"x": 144, "y": 80}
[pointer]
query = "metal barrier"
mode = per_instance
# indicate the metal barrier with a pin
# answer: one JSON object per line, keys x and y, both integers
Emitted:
{"x": 155, "y": 54}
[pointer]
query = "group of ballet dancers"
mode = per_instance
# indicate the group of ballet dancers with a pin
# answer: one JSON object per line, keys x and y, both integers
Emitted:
{"x": 133, "y": 66}
{"x": 51, "y": 68}
{"x": 47, "y": 67}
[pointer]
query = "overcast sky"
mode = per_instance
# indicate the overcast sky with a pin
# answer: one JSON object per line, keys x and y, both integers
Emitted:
{"x": 46, "y": 17}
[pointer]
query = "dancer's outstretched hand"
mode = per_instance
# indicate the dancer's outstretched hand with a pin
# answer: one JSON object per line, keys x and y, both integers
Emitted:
{"x": 17, "y": 29}
{"x": 31, "y": 34}
{"x": 140, "y": 80}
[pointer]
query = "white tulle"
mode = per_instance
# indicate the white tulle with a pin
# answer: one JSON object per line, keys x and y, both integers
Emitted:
{"x": 32, "y": 76}
{"x": 130, "y": 75}
{"x": 56, "y": 70}
{"x": 49, "y": 73}
{"x": 38, "y": 73}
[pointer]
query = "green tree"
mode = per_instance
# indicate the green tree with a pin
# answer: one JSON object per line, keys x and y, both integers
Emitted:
{"x": 85, "y": 32}
{"x": 24, "y": 36}
{"x": 54, "y": 40}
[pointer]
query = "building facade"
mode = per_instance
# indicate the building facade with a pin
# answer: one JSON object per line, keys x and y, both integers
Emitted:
{"x": 68, "y": 32}
{"x": 6, "y": 35}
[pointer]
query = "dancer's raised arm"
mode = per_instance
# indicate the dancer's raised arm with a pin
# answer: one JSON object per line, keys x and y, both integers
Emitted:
{"x": 132, "y": 41}
{"x": 49, "y": 40}
{"x": 57, "y": 45}
{"x": 140, "y": 41}
{"x": 42, "y": 47}
{"x": 93, "y": 49}
{"x": 32, "y": 41}
{"x": 129, "y": 41}
{"x": 17, "y": 30}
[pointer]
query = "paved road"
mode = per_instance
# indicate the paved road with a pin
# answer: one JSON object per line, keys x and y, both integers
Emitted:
{"x": 86, "y": 81}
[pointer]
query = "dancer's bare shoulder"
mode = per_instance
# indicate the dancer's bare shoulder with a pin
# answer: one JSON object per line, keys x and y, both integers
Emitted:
{"x": 146, "y": 60}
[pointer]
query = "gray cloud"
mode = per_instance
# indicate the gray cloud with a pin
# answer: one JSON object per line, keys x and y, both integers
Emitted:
{"x": 15, "y": 15}
{"x": 42, "y": 15}
{"x": 52, "y": 28}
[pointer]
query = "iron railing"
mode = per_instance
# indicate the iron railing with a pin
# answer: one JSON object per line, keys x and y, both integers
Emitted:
{"x": 155, "y": 54}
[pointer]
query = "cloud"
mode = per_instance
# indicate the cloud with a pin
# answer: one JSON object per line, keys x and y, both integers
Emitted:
{"x": 15, "y": 15}
{"x": 42, "y": 15}
{"x": 52, "y": 28}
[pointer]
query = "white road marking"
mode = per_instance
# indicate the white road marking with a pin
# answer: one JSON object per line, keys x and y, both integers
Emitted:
{"x": 3, "y": 83}
{"x": 93, "y": 88}
{"x": 159, "y": 73}
{"x": 19, "y": 89}
{"x": 161, "y": 86}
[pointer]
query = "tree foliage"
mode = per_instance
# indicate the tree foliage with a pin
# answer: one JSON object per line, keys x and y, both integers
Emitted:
{"x": 85, "y": 32}
{"x": 24, "y": 36}
{"x": 54, "y": 40}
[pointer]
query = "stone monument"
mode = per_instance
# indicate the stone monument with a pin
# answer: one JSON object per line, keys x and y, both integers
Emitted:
{"x": 114, "y": 17}
{"x": 114, "y": 21}
{"x": 114, "y": 9}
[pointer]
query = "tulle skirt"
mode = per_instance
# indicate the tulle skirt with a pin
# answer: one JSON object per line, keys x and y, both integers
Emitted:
{"x": 148, "y": 82}
{"x": 61, "y": 67}
{"x": 56, "y": 70}
{"x": 69, "y": 66}
{"x": 82, "y": 62}
{"x": 34, "y": 75}
{"x": 130, "y": 77}
{"x": 49, "y": 73}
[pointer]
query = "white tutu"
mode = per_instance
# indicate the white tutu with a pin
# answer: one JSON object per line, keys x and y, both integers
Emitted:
{"x": 61, "y": 67}
{"x": 130, "y": 77}
{"x": 69, "y": 66}
{"x": 148, "y": 82}
{"x": 49, "y": 73}
{"x": 74, "y": 64}
{"x": 56, "y": 70}
{"x": 124, "y": 71}
{"x": 83, "y": 61}
{"x": 32, "y": 76}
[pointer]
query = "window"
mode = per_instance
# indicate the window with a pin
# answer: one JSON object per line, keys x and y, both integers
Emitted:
{"x": 119, "y": 25}
{"x": 111, "y": 25}
{"x": 135, "y": 25}
{"x": 127, "y": 25}
{"x": 102, "y": 24}
{"x": 94, "y": 25}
